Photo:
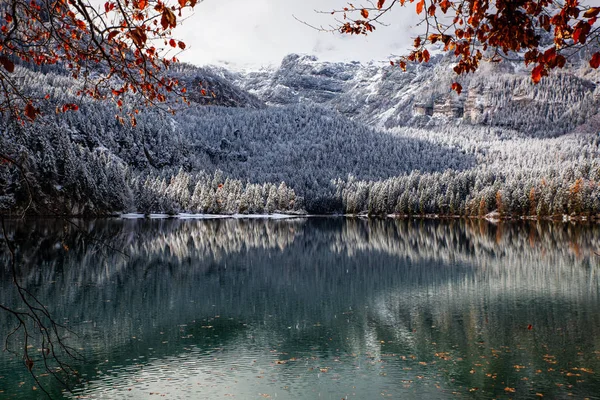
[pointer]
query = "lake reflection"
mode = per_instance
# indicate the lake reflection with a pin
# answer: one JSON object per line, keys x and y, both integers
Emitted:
{"x": 325, "y": 308}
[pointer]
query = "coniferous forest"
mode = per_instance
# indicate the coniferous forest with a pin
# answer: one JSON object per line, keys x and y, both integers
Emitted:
{"x": 317, "y": 137}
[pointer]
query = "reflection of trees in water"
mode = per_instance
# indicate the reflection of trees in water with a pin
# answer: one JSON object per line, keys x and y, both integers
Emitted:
{"x": 302, "y": 258}
{"x": 470, "y": 241}
{"x": 457, "y": 283}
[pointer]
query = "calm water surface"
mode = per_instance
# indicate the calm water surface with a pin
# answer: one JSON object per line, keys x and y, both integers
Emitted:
{"x": 310, "y": 309}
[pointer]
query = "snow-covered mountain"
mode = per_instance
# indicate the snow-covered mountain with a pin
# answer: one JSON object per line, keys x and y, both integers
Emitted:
{"x": 319, "y": 136}
{"x": 384, "y": 96}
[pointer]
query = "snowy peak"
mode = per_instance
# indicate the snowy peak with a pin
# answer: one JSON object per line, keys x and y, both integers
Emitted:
{"x": 382, "y": 95}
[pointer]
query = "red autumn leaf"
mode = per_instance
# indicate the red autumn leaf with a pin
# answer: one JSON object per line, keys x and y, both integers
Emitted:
{"x": 580, "y": 33}
{"x": 138, "y": 36}
{"x": 595, "y": 61}
{"x": 172, "y": 43}
{"x": 445, "y": 5}
{"x": 70, "y": 106}
{"x": 529, "y": 327}
{"x": 420, "y": 6}
{"x": 457, "y": 87}
{"x": 112, "y": 34}
{"x": 168, "y": 19}
{"x": 426, "y": 55}
{"x": 537, "y": 73}
{"x": 380, "y": 4}
{"x": 181, "y": 45}
{"x": 365, "y": 13}
{"x": 31, "y": 112}
{"x": 108, "y": 6}
{"x": 140, "y": 4}
{"x": 7, "y": 64}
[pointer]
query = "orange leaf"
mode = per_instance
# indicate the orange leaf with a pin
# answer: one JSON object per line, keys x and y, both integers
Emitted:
{"x": 595, "y": 61}
{"x": 420, "y": 6}
{"x": 457, "y": 87}
{"x": 582, "y": 29}
{"x": 425, "y": 55}
{"x": 380, "y": 4}
{"x": 431, "y": 10}
{"x": 537, "y": 73}
{"x": 182, "y": 3}
{"x": 168, "y": 19}
{"x": 592, "y": 12}
{"x": 138, "y": 36}
{"x": 445, "y": 5}
{"x": 181, "y": 45}
{"x": 365, "y": 13}
{"x": 172, "y": 43}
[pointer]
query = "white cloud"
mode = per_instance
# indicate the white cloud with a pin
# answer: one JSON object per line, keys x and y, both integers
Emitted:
{"x": 261, "y": 32}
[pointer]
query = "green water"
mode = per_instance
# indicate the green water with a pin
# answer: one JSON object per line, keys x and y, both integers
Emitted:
{"x": 327, "y": 308}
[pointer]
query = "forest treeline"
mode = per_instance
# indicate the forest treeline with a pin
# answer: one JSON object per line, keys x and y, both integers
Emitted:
{"x": 294, "y": 158}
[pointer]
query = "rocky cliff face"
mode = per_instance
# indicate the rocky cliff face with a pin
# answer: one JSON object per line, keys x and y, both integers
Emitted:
{"x": 386, "y": 97}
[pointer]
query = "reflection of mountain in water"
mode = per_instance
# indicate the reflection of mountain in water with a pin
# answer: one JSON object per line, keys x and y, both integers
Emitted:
{"x": 465, "y": 288}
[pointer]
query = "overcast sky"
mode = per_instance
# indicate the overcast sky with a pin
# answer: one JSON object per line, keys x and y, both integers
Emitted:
{"x": 262, "y": 32}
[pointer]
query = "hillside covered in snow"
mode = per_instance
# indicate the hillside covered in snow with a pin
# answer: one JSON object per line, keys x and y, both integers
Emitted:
{"x": 319, "y": 137}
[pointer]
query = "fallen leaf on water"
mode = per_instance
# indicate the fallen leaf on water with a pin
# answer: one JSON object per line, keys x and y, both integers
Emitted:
{"x": 509, "y": 389}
